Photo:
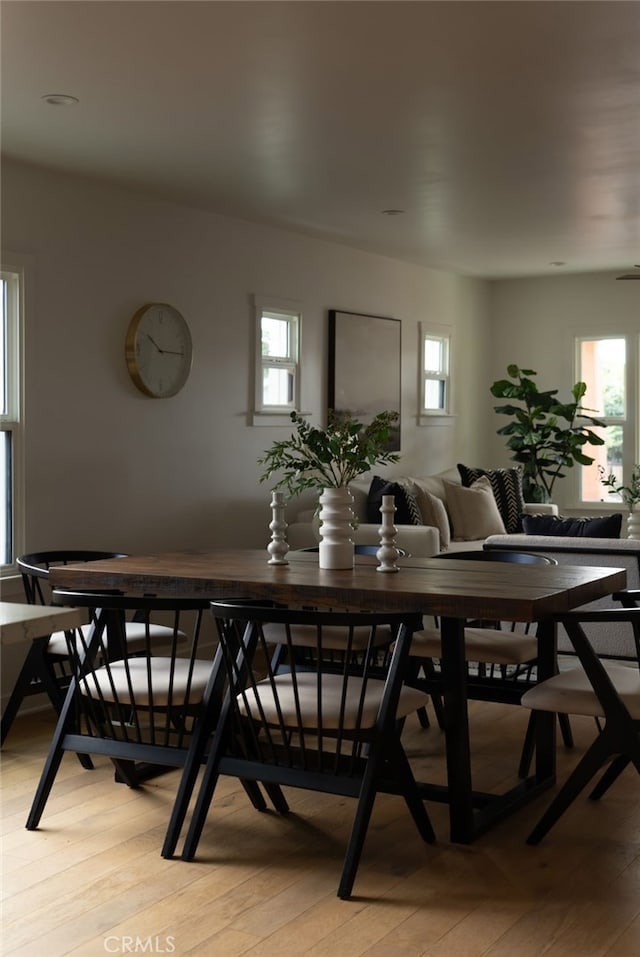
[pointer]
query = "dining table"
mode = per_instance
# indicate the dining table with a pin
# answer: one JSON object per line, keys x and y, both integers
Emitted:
{"x": 21, "y": 623}
{"x": 30, "y": 626}
{"x": 454, "y": 591}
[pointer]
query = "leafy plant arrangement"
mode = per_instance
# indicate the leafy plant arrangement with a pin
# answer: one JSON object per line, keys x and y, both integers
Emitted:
{"x": 331, "y": 457}
{"x": 630, "y": 494}
{"x": 546, "y": 436}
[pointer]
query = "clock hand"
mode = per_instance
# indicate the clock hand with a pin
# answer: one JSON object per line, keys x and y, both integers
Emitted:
{"x": 151, "y": 339}
{"x": 170, "y": 352}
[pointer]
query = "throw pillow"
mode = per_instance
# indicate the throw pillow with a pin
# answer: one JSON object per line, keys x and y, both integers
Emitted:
{"x": 507, "y": 489}
{"x": 473, "y": 511}
{"x": 609, "y": 526}
{"x": 434, "y": 513}
{"x": 407, "y": 511}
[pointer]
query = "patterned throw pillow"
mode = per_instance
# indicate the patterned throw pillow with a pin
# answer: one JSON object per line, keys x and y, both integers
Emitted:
{"x": 507, "y": 489}
{"x": 407, "y": 511}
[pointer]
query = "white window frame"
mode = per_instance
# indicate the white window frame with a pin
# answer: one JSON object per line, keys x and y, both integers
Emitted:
{"x": 12, "y": 416}
{"x": 629, "y": 422}
{"x": 441, "y": 334}
{"x": 289, "y": 310}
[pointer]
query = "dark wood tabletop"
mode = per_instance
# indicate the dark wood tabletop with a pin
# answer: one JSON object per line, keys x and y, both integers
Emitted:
{"x": 488, "y": 590}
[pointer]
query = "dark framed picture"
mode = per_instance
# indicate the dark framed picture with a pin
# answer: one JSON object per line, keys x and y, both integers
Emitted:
{"x": 364, "y": 366}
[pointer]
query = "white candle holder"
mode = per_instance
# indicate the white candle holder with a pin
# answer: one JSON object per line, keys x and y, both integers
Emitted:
{"x": 278, "y": 546}
{"x": 387, "y": 554}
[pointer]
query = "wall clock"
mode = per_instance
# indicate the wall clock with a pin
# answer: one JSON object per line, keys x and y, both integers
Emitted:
{"x": 158, "y": 350}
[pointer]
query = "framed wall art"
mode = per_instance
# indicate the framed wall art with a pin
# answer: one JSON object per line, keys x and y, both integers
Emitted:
{"x": 364, "y": 366}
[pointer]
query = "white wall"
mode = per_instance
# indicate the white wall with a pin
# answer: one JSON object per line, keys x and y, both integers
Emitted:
{"x": 110, "y": 468}
{"x": 534, "y": 323}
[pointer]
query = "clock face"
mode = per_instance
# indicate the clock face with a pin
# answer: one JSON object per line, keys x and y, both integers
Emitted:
{"x": 158, "y": 350}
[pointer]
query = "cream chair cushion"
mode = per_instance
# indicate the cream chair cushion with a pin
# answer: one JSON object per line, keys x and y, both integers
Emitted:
{"x": 487, "y": 645}
{"x": 332, "y": 688}
{"x": 570, "y": 692}
{"x": 135, "y": 630}
{"x": 148, "y": 679}
{"x": 333, "y": 638}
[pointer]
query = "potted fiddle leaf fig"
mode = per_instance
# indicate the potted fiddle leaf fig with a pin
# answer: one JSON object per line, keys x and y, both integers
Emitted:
{"x": 546, "y": 436}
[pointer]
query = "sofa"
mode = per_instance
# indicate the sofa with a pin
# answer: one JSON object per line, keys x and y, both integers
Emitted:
{"x": 435, "y": 513}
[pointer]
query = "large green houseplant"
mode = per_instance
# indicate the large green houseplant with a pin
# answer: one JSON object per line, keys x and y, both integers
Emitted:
{"x": 329, "y": 458}
{"x": 546, "y": 436}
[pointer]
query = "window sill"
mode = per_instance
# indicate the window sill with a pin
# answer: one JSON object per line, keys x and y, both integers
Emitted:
{"x": 435, "y": 418}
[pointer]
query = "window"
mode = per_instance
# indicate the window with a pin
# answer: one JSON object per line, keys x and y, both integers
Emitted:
{"x": 435, "y": 373}
{"x": 277, "y": 383}
{"x": 609, "y": 366}
{"x": 11, "y": 416}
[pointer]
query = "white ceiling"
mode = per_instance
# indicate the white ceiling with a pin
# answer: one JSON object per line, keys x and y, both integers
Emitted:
{"x": 508, "y": 132}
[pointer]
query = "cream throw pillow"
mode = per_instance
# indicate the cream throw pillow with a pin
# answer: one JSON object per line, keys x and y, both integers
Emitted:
{"x": 473, "y": 511}
{"x": 433, "y": 513}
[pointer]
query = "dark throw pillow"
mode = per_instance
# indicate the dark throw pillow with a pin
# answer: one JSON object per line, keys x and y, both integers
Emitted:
{"x": 407, "y": 511}
{"x": 507, "y": 491}
{"x": 607, "y": 527}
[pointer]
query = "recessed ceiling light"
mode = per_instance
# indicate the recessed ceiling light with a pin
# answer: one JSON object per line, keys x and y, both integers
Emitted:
{"x": 392, "y": 212}
{"x": 60, "y": 99}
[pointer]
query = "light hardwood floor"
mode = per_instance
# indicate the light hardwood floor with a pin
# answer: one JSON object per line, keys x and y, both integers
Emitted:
{"x": 91, "y": 881}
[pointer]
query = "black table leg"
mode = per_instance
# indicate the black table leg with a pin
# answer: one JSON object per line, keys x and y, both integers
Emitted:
{"x": 545, "y": 728}
{"x": 471, "y": 813}
{"x": 456, "y": 724}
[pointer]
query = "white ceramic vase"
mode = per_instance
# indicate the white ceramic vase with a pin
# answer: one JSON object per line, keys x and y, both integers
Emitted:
{"x": 633, "y": 522}
{"x": 336, "y": 516}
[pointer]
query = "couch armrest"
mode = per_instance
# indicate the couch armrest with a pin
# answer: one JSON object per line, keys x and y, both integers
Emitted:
{"x": 420, "y": 541}
{"x": 301, "y": 535}
{"x": 540, "y": 508}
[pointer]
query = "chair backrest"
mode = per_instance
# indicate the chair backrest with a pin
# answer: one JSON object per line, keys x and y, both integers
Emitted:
{"x": 358, "y": 549}
{"x": 150, "y": 693}
{"x": 35, "y": 566}
{"x": 520, "y": 558}
{"x": 517, "y": 557}
{"x": 606, "y": 639}
{"x": 306, "y": 718}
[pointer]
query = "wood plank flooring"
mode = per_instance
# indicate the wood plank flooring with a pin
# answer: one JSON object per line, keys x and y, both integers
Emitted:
{"x": 91, "y": 881}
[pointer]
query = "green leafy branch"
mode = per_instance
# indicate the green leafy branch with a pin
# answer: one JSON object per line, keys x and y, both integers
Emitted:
{"x": 630, "y": 494}
{"x": 331, "y": 457}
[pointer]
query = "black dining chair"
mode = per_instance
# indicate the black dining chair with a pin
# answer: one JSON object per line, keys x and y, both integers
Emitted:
{"x": 606, "y": 690}
{"x": 334, "y": 731}
{"x": 46, "y": 665}
{"x": 501, "y": 660}
{"x": 45, "y": 669}
{"x": 359, "y": 550}
{"x": 146, "y": 708}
